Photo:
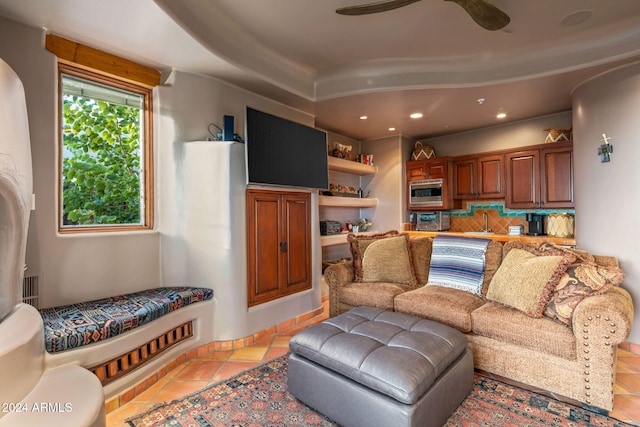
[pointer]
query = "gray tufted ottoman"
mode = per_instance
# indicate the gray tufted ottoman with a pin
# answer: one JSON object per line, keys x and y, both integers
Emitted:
{"x": 370, "y": 367}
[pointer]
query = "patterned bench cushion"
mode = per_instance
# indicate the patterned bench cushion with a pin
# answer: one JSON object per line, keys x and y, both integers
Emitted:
{"x": 76, "y": 325}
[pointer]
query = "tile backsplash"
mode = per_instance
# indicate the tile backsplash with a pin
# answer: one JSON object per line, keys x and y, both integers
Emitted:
{"x": 470, "y": 218}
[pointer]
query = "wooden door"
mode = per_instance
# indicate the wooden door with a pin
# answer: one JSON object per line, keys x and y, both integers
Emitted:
{"x": 557, "y": 177}
{"x": 263, "y": 250}
{"x": 464, "y": 179}
{"x": 491, "y": 182}
{"x": 523, "y": 179}
{"x": 296, "y": 254}
{"x": 278, "y": 244}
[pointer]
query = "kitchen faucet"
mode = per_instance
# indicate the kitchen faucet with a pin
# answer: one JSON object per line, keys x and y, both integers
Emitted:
{"x": 486, "y": 228}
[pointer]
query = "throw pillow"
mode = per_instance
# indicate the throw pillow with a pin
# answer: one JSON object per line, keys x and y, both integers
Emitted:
{"x": 524, "y": 281}
{"x": 358, "y": 243}
{"x": 581, "y": 280}
{"x": 388, "y": 261}
{"x": 421, "y": 257}
{"x": 493, "y": 259}
{"x": 547, "y": 248}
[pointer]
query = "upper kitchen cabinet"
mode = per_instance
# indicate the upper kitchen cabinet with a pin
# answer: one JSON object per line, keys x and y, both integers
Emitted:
{"x": 541, "y": 177}
{"x": 426, "y": 169}
{"x": 479, "y": 177}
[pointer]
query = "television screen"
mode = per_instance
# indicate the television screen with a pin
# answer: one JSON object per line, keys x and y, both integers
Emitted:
{"x": 282, "y": 152}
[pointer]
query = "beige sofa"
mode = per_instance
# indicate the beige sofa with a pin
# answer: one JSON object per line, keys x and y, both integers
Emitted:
{"x": 576, "y": 360}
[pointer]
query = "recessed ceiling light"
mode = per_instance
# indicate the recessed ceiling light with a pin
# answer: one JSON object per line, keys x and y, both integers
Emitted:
{"x": 416, "y": 115}
{"x": 363, "y": 117}
{"x": 501, "y": 115}
{"x": 480, "y": 101}
{"x": 392, "y": 129}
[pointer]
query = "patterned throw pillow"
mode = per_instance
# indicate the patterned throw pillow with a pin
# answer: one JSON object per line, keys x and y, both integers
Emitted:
{"x": 525, "y": 281}
{"x": 581, "y": 280}
{"x": 388, "y": 261}
{"x": 358, "y": 244}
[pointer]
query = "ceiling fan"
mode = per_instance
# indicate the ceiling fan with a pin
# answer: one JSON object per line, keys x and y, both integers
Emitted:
{"x": 483, "y": 12}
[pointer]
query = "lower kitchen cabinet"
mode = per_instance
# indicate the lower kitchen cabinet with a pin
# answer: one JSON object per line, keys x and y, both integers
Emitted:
{"x": 278, "y": 244}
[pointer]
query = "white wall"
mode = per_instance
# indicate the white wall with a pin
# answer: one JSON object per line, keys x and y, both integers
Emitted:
{"x": 71, "y": 268}
{"x": 499, "y": 137}
{"x": 188, "y": 103}
{"x": 388, "y": 185}
{"x": 608, "y": 194}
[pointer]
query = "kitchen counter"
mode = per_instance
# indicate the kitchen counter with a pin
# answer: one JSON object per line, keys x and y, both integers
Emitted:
{"x": 566, "y": 241}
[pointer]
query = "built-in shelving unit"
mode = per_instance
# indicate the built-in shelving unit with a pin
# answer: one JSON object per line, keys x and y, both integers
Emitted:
{"x": 350, "y": 167}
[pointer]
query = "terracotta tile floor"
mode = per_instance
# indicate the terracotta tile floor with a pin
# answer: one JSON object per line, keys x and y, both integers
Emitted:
{"x": 211, "y": 368}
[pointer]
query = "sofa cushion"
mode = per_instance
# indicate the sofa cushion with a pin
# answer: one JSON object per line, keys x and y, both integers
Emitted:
{"x": 525, "y": 281}
{"x": 512, "y": 326}
{"x": 358, "y": 244}
{"x": 421, "y": 257}
{"x": 388, "y": 260}
{"x": 379, "y": 295}
{"x": 449, "y": 306}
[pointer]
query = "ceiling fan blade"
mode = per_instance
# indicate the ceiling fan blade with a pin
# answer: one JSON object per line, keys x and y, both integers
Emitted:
{"x": 382, "y": 6}
{"x": 484, "y": 13}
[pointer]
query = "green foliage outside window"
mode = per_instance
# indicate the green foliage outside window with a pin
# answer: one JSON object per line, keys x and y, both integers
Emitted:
{"x": 101, "y": 162}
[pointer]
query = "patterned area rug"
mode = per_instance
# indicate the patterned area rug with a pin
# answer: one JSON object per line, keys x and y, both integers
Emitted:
{"x": 259, "y": 397}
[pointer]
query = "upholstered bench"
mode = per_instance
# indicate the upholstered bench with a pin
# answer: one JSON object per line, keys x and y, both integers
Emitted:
{"x": 125, "y": 338}
{"x": 71, "y": 326}
{"x": 370, "y": 367}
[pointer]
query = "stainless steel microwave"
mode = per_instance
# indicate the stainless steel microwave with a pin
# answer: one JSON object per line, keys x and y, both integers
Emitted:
{"x": 433, "y": 221}
{"x": 426, "y": 193}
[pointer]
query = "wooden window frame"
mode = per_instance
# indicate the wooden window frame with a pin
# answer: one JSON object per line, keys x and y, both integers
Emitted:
{"x": 84, "y": 62}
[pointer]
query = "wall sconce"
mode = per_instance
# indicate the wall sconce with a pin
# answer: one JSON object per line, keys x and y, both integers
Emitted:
{"x": 605, "y": 149}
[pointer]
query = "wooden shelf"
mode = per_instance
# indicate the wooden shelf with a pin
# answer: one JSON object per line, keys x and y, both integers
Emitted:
{"x": 347, "y": 202}
{"x": 339, "y": 239}
{"x": 342, "y": 165}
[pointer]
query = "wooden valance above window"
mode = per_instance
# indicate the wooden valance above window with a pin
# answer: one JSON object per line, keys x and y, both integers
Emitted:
{"x": 95, "y": 60}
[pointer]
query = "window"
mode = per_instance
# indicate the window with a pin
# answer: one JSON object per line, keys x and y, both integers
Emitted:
{"x": 105, "y": 156}
{"x": 105, "y": 150}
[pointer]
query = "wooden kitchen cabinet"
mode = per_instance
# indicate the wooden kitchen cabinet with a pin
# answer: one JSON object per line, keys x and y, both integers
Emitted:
{"x": 540, "y": 178}
{"x": 439, "y": 168}
{"x": 278, "y": 244}
{"x": 426, "y": 169}
{"x": 479, "y": 177}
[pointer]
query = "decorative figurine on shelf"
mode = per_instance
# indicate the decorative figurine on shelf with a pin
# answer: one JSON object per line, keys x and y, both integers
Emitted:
{"x": 605, "y": 149}
{"x": 364, "y": 225}
{"x": 341, "y": 151}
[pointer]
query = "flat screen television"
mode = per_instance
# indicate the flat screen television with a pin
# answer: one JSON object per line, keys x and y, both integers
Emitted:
{"x": 283, "y": 152}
